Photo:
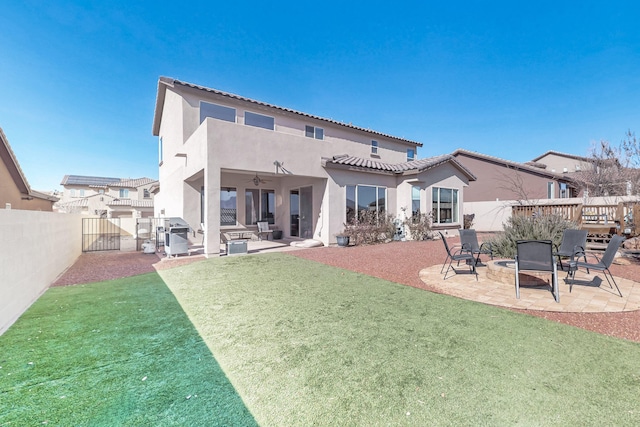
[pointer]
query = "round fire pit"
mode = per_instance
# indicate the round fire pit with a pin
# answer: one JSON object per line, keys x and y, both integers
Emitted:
{"x": 504, "y": 271}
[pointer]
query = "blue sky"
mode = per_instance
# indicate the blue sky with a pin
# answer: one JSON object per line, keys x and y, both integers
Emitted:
{"x": 502, "y": 78}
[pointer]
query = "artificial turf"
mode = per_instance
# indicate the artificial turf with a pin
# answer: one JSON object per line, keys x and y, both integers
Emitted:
{"x": 117, "y": 353}
{"x": 274, "y": 340}
{"x": 308, "y": 344}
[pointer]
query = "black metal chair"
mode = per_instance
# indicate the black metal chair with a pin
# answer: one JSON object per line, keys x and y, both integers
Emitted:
{"x": 469, "y": 240}
{"x": 601, "y": 264}
{"x": 461, "y": 254}
{"x": 572, "y": 241}
{"x": 536, "y": 255}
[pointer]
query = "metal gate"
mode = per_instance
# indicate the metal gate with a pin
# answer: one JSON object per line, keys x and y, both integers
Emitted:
{"x": 100, "y": 234}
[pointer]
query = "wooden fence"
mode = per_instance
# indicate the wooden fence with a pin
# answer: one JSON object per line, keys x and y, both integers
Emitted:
{"x": 621, "y": 218}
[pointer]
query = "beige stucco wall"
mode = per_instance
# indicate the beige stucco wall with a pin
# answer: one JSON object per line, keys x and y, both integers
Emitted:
{"x": 564, "y": 164}
{"x": 36, "y": 248}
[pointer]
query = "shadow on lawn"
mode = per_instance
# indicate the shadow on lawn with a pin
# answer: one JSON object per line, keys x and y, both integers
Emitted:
{"x": 121, "y": 352}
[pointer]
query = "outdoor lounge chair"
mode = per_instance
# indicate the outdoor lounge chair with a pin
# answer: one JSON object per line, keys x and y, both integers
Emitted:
{"x": 263, "y": 230}
{"x": 459, "y": 255}
{"x": 536, "y": 255}
{"x": 572, "y": 241}
{"x": 601, "y": 264}
{"x": 469, "y": 240}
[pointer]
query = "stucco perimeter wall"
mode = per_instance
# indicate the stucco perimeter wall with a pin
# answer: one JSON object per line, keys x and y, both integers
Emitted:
{"x": 36, "y": 248}
{"x": 489, "y": 216}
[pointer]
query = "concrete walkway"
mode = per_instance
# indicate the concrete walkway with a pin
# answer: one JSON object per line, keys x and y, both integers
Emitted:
{"x": 590, "y": 292}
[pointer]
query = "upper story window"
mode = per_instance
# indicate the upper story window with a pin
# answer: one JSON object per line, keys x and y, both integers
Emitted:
{"x": 82, "y": 192}
{"x": 314, "y": 132}
{"x": 258, "y": 120}
{"x": 124, "y": 193}
{"x": 411, "y": 154}
{"x": 374, "y": 146}
{"x": 146, "y": 194}
{"x": 216, "y": 111}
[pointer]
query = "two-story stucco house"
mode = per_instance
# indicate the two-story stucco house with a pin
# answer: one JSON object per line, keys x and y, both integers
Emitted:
{"x": 107, "y": 197}
{"x": 227, "y": 162}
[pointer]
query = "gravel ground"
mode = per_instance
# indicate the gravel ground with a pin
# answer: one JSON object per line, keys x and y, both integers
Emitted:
{"x": 399, "y": 262}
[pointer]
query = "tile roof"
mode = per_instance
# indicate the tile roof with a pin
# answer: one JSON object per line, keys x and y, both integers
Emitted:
{"x": 419, "y": 165}
{"x": 103, "y": 182}
{"x": 131, "y": 202}
{"x": 163, "y": 82}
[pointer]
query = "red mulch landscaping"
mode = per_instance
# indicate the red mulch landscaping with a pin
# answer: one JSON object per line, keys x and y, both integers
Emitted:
{"x": 399, "y": 262}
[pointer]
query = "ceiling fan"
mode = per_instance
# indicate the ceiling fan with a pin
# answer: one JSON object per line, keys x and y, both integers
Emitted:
{"x": 257, "y": 180}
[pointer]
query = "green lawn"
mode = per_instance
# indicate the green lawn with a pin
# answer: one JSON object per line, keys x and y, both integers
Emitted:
{"x": 293, "y": 342}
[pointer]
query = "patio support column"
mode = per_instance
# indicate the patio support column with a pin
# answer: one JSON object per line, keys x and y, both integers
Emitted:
{"x": 212, "y": 210}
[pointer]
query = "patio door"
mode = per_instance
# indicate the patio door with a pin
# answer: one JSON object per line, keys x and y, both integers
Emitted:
{"x": 301, "y": 212}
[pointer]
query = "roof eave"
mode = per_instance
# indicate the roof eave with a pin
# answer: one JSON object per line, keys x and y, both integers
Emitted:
{"x": 163, "y": 83}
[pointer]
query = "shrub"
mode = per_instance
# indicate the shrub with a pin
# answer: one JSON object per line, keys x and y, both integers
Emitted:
{"x": 419, "y": 226}
{"x": 540, "y": 227}
{"x": 371, "y": 227}
{"x": 468, "y": 220}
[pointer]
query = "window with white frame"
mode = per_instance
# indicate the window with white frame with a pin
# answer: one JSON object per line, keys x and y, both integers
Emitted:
{"x": 228, "y": 206}
{"x": 313, "y": 132}
{"x": 260, "y": 205}
{"x": 216, "y": 111}
{"x": 124, "y": 193}
{"x": 365, "y": 199}
{"x": 259, "y": 120}
{"x": 564, "y": 190}
{"x": 551, "y": 190}
{"x": 444, "y": 205}
{"x": 82, "y": 192}
{"x": 411, "y": 154}
{"x": 415, "y": 201}
{"x": 146, "y": 194}
{"x": 374, "y": 146}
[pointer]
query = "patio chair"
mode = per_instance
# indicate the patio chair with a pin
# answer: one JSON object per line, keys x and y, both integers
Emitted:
{"x": 263, "y": 230}
{"x": 572, "y": 241}
{"x": 461, "y": 254}
{"x": 601, "y": 264}
{"x": 536, "y": 255}
{"x": 469, "y": 240}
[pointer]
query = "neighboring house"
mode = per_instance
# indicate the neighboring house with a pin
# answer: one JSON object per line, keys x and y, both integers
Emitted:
{"x": 107, "y": 197}
{"x": 227, "y": 162}
{"x": 499, "y": 179}
{"x": 555, "y": 161}
{"x": 15, "y": 192}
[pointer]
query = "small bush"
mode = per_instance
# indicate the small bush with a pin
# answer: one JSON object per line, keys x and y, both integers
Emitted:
{"x": 419, "y": 226}
{"x": 468, "y": 220}
{"x": 541, "y": 227}
{"x": 371, "y": 227}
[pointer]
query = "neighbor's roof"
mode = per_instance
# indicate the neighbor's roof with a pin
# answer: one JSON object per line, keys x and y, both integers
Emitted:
{"x": 414, "y": 166}
{"x": 557, "y": 153}
{"x": 11, "y": 162}
{"x": 131, "y": 202}
{"x": 103, "y": 182}
{"x": 164, "y": 82}
{"x": 514, "y": 165}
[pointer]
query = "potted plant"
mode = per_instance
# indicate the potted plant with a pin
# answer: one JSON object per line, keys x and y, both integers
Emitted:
{"x": 277, "y": 233}
{"x": 342, "y": 239}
